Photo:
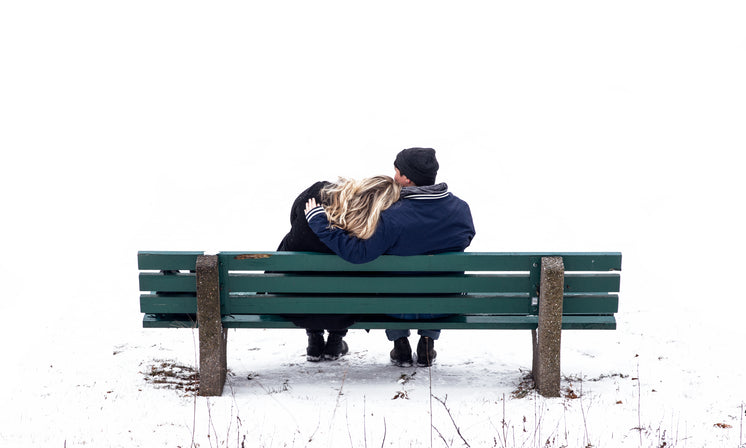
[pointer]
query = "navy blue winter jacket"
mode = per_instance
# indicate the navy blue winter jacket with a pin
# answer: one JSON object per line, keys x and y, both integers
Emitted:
{"x": 426, "y": 220}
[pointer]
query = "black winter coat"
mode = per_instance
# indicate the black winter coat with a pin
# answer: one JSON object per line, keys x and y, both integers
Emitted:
{"x": 300, "y": 237}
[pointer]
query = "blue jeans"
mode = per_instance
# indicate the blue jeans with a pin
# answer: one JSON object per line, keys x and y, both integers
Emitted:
{"x": 393, "y": 335}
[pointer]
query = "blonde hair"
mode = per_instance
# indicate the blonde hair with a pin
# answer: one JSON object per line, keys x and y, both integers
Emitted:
{"x": 356, "y": 205}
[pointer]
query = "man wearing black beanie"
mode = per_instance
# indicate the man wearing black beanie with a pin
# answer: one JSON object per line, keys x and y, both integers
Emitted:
{"x": 416, "y": 167}
{"x": 427, "y": 219}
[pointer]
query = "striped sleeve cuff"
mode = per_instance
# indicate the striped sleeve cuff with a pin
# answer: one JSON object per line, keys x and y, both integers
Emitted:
{"x": 316, "y": 211}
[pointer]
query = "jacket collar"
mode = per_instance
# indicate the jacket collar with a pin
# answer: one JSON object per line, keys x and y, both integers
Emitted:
{"x": 437, "y": 191}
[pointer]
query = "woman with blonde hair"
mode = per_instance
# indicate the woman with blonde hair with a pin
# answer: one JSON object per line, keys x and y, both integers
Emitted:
{"x": 354, "y": 206}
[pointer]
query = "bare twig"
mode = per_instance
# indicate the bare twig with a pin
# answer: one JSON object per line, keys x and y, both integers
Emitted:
{"x": 504, "y": 429}
{"x": 209, "y": 422}
{"x": 336, "y": 404}
{"x": 339, "y": 394}
{"x": 347, "y": 418}
{"x": 430, "y": 379}
{"x": 196, "y": 365}
{"x": 740, "y": 437}
{"x": 564, "y": 419}
{"x": 239, "y": 423}
{"x": 271, "y": 394}
{"x": 639, "y": 404}
{"x": 234, "y": 405}
{"x": 458, "y": 430}
{"x": 585, "y": 419}
{"x": 537, "y": 418}
{"x": 313, "y": 434}
{"x": 445, "y": 442}
{"x": 383, "y": 442}
{"x": 504, "y": 425}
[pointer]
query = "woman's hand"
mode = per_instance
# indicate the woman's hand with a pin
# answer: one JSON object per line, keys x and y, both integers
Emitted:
{"x": 310, "y": 205}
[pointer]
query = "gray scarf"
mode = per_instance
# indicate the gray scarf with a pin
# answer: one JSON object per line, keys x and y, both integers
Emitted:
{"x": 436, "y": 191}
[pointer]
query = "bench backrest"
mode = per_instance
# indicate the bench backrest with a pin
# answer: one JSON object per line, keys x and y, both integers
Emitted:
{"x": 271, "y": 283}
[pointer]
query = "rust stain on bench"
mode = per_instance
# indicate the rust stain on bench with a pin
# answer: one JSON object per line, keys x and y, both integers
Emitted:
{"x": 251, "y": 256}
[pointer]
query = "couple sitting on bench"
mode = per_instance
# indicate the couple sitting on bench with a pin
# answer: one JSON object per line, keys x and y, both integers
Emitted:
{"x": 360, "y": 220}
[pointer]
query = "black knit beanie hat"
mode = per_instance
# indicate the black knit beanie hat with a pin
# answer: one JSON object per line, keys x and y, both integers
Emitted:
{"x": 418, "y": 164}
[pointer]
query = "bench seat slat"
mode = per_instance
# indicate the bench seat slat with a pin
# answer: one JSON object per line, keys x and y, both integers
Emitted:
{"x": 331, "y": 283}
{"x": 169, "y": 321}
{"x": 455, "y": 283}
{"x": 158, "y": 260}
{"x": 281, "y": 283}
{"x": 604, "y": 322}
{"x": 153, "y": 281}
{"x": 326, "y": 304}
{"x": 454, "y": 261}
{"x": 594, "y": 282}
{"x": 447, "y": 304}
{"x": 590, "y": 304}
{"x": 482, "y": 303}
{"x": 168, "y": 303}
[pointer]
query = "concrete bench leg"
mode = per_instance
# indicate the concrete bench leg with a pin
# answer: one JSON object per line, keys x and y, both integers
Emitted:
{"x": 547, "y": 339}
{"x": 212, "y": 337}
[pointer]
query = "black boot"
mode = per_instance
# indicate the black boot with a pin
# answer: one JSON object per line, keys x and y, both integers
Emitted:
{"x": 426, "y": 351}
{"x": 315, "y": 346}
{"x": 401, "y": 355}
{"x": 335, "y": 347}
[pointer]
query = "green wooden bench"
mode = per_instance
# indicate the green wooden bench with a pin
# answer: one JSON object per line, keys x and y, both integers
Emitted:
{"x": 541, "y": 292}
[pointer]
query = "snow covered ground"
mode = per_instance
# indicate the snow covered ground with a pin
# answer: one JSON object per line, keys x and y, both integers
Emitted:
{"x": 167, "y": 125}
